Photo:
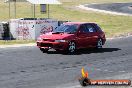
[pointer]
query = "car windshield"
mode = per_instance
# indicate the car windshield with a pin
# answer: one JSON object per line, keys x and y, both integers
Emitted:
{"x": 66, "y": 28}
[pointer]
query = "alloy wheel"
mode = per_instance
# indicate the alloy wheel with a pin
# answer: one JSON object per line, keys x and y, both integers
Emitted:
{"x": 72, "y": 47}
{"x": 99, "y": 43}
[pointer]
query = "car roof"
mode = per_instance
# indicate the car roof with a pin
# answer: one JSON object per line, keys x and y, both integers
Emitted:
{"x": 78, "y": 23}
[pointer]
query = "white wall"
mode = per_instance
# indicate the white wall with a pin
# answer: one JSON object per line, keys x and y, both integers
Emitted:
{"x": 31, "y": 29}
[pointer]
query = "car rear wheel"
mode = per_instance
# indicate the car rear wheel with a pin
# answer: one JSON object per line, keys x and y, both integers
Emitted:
{"x": 99, "y": 44}
{"x": 44, "y": 50}
{"x": 72, "y": 47}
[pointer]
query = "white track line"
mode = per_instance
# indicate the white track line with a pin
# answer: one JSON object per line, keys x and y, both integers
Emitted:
{"x": 103, "y": 11}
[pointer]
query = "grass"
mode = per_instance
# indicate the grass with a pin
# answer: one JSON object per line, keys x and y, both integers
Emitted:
{"x": 113, "y": 25}
{"x": 3, "y": 42}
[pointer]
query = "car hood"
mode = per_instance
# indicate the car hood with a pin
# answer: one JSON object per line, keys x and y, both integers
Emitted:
{"x": 56, "y": 36}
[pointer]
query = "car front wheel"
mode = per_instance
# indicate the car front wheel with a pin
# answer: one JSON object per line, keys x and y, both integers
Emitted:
{"x": 44, "y": 50}
{"x": 72, "y": 47}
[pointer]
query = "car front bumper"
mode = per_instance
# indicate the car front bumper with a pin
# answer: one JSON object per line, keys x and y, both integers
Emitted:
{"x": 54, "y": 45}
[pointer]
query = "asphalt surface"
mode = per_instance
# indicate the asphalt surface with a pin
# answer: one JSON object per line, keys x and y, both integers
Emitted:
{"x": 28, "y": 67}
{"x": 116, "y": 7}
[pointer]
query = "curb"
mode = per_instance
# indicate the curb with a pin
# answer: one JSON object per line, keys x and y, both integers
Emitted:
{"x": 17, "y": 45}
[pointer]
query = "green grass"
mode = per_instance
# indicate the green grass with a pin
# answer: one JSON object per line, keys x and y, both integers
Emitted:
{"x": 112, "y": 25}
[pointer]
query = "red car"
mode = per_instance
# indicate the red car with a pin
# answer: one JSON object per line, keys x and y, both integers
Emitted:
{"x": 71, "y": 36}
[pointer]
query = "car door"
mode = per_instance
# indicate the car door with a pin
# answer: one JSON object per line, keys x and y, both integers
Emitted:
{"x": 83, "y": 37}
{"x": 92, "y": 34}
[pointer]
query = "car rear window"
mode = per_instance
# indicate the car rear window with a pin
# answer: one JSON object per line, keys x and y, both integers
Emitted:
{"x": 98, "y": 27}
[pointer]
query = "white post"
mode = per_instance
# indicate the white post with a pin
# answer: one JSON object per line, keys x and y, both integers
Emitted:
{"x": 9, "y": 9}
{"x": 34, "y": 11}
{"x": 48, "y": 11}
{"x": 15, "y": 9}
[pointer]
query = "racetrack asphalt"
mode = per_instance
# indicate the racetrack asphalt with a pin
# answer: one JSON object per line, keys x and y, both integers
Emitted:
{"x": 28, "y": 67}
{"x": 110, "y": 8}
{"x": 117, "y": 7}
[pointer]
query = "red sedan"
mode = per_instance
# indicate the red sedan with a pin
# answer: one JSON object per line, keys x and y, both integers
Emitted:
{"x": 71, "y": 36}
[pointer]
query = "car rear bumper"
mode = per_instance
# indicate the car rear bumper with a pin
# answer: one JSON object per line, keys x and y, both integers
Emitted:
{"x": 54, "y": 45}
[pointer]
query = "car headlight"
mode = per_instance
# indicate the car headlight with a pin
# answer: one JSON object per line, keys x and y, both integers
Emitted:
{"x": 39, "y": 39}
{"x": 60, "y": 41}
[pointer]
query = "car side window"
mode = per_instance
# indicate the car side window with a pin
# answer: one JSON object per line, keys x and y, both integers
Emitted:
{"x": 90, "y": 28}
{"x": 83, "y": 28}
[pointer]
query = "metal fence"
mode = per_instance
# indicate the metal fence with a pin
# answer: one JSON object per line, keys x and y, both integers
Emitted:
{"x": 15, "y": 10}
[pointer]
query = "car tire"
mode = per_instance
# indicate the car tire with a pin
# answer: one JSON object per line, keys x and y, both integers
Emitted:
{"x": 72, "y": 47}
{"x": 99, "y": 44}
{"x": 44, "y": 50}
{"x": 57, "y": 50}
